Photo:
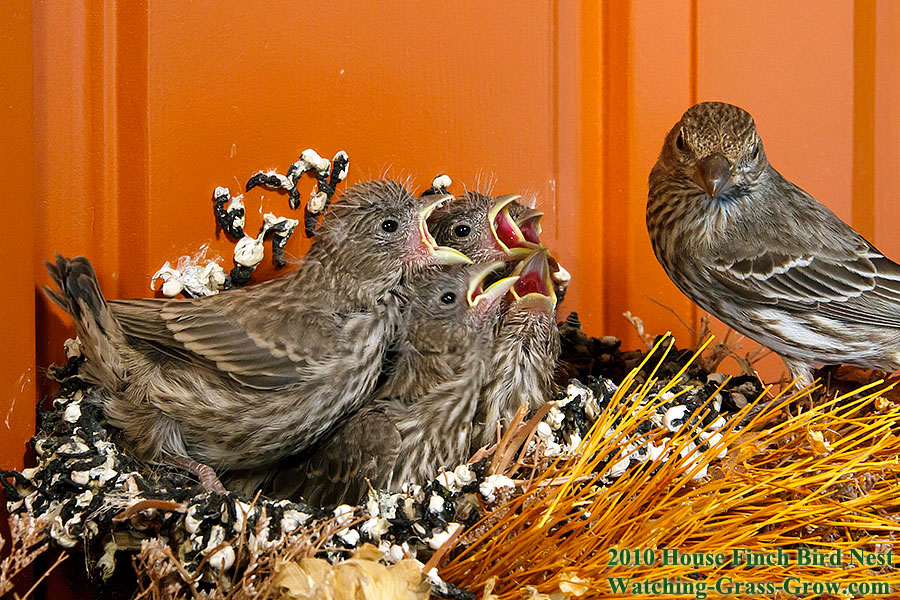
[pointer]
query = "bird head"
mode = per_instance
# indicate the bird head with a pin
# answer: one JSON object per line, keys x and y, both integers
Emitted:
{"x": 715, "y": 149}
{"x": 455, "y": 307}
{"x": 493, "y": 228}
{"x": 534, "y": 289}
{"x": 379, "y": 225}
{"x": 487, "y": 228}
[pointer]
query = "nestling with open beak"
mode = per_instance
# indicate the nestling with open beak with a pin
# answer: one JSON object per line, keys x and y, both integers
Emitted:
{"x": 408, "y": 437}
{"x": 525, "y": 352}
{"x": 244, "y": 378}
{"x": 485, "y": 228}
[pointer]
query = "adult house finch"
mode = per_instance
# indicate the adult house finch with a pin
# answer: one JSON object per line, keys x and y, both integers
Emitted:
{"x": 525, "y": 351}
{"x": 241, "y": 379}
{"x": 486, "y": 228}
{"x": 764, "y": 256}
{"x": 407, "y": 438}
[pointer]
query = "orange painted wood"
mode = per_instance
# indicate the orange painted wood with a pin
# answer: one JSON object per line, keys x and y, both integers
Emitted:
{"x": 887, "y": 129}
{"x": 650, "y": 87}
{"x": 18, "y": 369}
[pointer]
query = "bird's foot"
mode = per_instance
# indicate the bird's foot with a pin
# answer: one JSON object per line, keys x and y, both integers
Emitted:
{"x": 207, "y": 476}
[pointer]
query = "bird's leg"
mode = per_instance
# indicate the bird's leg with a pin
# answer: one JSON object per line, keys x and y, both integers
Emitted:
{"x": 803, "y": 376}
{"x": 207, "y": 476}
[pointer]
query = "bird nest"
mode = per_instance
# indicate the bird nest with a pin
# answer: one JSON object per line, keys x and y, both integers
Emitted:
{"x": 594, "y": 491}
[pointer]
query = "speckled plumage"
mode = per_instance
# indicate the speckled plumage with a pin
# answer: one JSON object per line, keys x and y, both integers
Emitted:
{"x": 243, "y": 378}
{"x": 464, "y": 224}
{"x": 524, "y": 356}
{"x": 764, "y": 256}
{"x": 413, "y": 427}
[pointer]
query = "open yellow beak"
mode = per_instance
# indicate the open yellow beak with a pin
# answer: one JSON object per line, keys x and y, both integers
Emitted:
{"x": 440, "y": 255}
{"x": 506, "y": 232}
{"x": 476, "y": 294}
{"x": 535, "y": 284}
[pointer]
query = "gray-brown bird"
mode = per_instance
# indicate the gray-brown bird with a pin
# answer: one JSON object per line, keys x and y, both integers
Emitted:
{"x": 525, "y": 351}
{"x": 243, "y": 378}
{"x": 489, "y": 228}
{"x": 411, "y": 430}
{"x": 762, "y": 255}
{"x": 486, "y": 228}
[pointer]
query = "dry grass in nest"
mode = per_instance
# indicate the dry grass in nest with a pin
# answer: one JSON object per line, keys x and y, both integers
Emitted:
{"x": 288, "y": 571}
{"x": 826, "y": 478}
{"x": 29, "y": 540}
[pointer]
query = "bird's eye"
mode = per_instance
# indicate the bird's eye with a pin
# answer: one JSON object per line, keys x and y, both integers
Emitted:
{"x": 756, "y": 151}
{"x": 389, "y": 225}
{"x": 462, "y": 231}
{"x": 679, "y": 141}
{"x": 448, "y": 298}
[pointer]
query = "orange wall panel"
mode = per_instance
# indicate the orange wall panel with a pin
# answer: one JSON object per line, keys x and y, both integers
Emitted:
{"x": 418, "y": 90}
{"x": 18, "y": 369}
{"x": 790, "y": 63}
{"x": 659, "y": 87}
{"x": 886, "y": 151}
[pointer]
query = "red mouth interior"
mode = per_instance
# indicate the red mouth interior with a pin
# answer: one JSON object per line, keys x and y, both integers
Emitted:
{"x": 531, "y": 283}
{"x": 529, "y": 229}
{"x": 507, "y": 230}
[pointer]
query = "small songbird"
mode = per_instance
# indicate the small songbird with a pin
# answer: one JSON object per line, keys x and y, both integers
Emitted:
{"x": 525, "y": 352}
{"x": 486, "y": 228}
{"x": 243, "y": 378}
{"x": 427, "y": 422}
{"x": 762, "y": 255}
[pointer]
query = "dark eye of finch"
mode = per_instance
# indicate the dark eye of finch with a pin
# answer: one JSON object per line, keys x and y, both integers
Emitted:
{"x": 389, "y": 225}
{"x": 448, "y": 298}
{"x": 679, "y": 142}
{"x": 462, "y": 230}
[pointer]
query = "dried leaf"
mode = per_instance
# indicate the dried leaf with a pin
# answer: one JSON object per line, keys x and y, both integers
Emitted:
{"x": 571, "y": 583}
{"x": 359, "y": 578}
{"x": 818, "y": 442}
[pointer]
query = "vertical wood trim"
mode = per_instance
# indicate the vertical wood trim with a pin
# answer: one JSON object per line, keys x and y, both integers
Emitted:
{"x": 589, "y": 224}
{"x": 132, "y": 147}
{"x": 577, "y": 165}
{"x": 18, "y": 374}
{"x": 615, "y": 154}
{"x": 695, "y": 51}
{"x": 887, "y": 130}
{"x": 863, "y": 179}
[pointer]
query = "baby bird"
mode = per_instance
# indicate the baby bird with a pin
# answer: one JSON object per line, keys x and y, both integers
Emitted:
{"x": 408, "y": 437}
{"x": 485, "y": 228}
{"x": 525, "y": 352}
{"x": 243, "y": 378}
{"x": 489, "y": 228}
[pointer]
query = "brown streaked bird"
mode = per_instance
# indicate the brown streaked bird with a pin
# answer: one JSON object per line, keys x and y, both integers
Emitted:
{"x": 764, "y": 256}
{"x": 489, "y": 228}
{"x": 525, "y": 352}
{"x": 407, "y": 438}
{"x": 244, "y": 378}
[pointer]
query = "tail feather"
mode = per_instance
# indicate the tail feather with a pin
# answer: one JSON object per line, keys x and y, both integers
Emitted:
{"x": 100, "y": 334}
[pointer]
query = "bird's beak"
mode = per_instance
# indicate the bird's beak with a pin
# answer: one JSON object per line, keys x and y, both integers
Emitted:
{"x": 439, "y": 255}
{"x": 506, "y": 232}
{"x": 476, "y": 295}
{"x": 713, "y": 174}
{"x": 535, "y": 285}
{"x": 530, "y": 225}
